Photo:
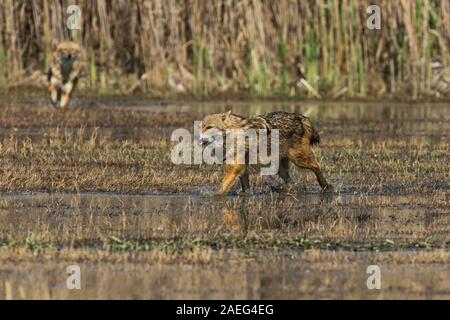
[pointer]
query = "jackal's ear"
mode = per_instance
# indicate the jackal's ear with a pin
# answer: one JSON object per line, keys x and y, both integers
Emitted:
{"x": 227, "y": 114}
{"x": 53, "y": 46}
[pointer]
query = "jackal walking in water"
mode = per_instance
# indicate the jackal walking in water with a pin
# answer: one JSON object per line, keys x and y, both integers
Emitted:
{"x": 296, "y": 137}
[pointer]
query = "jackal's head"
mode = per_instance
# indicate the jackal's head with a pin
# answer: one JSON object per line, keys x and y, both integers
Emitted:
{"x": 68, "y": 51}
{"x": 217, "y": 124}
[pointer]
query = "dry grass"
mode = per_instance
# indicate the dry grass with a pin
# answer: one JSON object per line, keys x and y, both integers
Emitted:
{"x": 119, "y": 150}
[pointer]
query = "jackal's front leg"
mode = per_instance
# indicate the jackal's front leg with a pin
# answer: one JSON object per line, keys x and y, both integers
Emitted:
{"x": 66, "y": 93}
{"x": 234, "y": 172}
{"x": 245, "y": 181}
{"x": 53, "y": 95}
{"x": 65, "y": 100}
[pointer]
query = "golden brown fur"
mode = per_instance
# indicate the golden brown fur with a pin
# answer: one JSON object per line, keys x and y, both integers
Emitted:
{"x": 296, "y": 136}
{"x": 65, "y": 70}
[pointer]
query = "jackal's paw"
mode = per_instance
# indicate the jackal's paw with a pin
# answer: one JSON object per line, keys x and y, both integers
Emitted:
{"x": 275, "y": 186}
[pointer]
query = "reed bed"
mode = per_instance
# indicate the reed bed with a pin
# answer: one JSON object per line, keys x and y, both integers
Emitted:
{"x": 256, "y": 47}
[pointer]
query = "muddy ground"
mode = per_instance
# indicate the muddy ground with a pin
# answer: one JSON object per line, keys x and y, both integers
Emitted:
{"x": 94, "y": 186}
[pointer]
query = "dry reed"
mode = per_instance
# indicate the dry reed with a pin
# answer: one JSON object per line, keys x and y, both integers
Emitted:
{"x": 253, "y": 46}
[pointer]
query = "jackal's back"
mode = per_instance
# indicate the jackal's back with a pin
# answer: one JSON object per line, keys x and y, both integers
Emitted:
{"x": 293, "y": 127}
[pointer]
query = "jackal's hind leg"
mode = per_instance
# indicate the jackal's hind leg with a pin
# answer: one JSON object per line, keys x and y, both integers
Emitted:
{"x": 312, "y": 165}
{"x": 233, "y": 173}
{"x": 283, "y": 170}
{"x": 304, "y": 158}
{"x": 319, "y": 175}
{"x": 283, "y": 173}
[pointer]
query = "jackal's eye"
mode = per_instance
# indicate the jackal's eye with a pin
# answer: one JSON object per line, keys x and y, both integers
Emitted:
{"x": 208, "y": 127}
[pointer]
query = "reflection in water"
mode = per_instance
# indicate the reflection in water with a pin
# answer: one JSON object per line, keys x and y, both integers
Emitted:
{"x": 83, "y": 218}
{"x": 236, "y": 219}
{"x": 311, "y": 276}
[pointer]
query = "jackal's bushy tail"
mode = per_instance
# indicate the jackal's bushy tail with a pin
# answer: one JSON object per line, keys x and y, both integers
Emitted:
{"x": 315, "y": 138}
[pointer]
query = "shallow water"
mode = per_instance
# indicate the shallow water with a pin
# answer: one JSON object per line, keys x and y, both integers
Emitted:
{"x": 373, "y": 120}
{"x": 360, "y": 217}
{"x": 339, "y": 277}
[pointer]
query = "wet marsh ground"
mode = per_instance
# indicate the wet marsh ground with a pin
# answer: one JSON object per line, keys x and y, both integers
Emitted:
{"x": 94, "y": 186}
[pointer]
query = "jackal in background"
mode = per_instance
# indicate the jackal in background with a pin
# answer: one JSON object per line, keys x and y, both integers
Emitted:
{"x": 296, "y": 136}
{"x": 64, "y": 72}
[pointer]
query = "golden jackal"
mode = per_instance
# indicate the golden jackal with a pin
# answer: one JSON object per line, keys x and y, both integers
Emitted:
{"x": 64, "y": 72}
{"x": 296, "y": 136}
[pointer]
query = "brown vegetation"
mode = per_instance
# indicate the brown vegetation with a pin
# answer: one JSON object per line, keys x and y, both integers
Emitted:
{"x": 261, "y": 47}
